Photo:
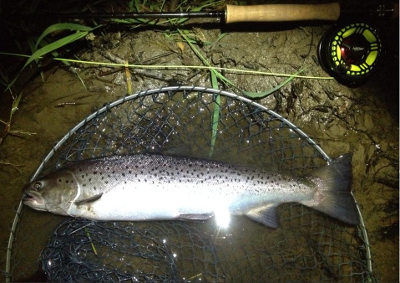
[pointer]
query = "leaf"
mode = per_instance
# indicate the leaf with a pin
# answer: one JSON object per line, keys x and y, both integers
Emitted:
{"x": 204, "y": 60}
{"x": 131, "y": 6}
{"x": 48, "y": 49}
{"x": 55, "y": 45}
{"x": 216, "y": 113}
{"x": 61, "y": 27}
{"x": 270, "y": 91}
{"x": 212, "y": 4}
{"x": 15, "y": 105}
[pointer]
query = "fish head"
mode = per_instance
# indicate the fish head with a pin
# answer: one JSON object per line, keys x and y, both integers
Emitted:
{"x": 54, "y": 193}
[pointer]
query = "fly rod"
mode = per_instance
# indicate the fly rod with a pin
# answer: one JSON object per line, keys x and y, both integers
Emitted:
{"x": 235, "y": 14}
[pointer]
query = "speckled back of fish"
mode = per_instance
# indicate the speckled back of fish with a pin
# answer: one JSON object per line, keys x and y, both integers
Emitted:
{"x": 158, "y": 187}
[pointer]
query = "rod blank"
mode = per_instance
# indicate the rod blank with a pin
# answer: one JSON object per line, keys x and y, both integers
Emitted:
{"x": 234, "y": 14}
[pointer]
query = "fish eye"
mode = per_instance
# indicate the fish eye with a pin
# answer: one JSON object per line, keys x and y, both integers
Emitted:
{"x": 37, "y": 186}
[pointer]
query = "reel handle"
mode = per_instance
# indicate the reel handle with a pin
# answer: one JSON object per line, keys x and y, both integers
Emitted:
{"x": 282, "y": 12}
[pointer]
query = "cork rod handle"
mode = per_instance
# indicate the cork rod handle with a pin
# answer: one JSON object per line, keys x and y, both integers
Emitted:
{"x": 282, "y": 12}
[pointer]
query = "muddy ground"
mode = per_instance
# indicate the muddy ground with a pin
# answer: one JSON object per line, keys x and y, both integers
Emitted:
{"x": 363, "y": 120}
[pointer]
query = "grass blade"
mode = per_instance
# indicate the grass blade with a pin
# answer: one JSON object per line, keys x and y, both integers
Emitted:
{"x": 216, "y": 113}
{"x": 15, "y": 105}
{"x": 55, "y": 45}
{"x": 48, "y": 49}
{"x": 61, "y": 27}
{"x": 272, "y": 90}
{"x": 204, "y": 60}
{"x": 81, "y": 31}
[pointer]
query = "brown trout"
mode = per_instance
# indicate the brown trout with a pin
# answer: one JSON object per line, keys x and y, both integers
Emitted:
{"x": 163, "y": 187}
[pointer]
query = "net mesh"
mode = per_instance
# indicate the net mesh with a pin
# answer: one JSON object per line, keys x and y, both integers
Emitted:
{"x": 205, "y": 123}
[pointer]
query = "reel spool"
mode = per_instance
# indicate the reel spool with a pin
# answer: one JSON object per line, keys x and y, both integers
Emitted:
{"x": 350, "y": 52}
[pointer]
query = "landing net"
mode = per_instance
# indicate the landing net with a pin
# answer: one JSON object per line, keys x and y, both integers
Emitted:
{"x": 205, "y": 123}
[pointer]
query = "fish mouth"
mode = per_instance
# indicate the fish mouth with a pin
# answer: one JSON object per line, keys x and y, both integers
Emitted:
{"x": 33, "y": 199}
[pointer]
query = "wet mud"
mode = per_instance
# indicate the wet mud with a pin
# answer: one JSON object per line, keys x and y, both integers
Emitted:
{"x": 363, "y": 120}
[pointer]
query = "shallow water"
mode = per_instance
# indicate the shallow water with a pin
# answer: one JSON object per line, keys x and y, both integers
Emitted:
{"x": 361, "y": 121}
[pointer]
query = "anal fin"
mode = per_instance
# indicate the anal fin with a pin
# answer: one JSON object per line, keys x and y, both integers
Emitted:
{"x": 266, "y": 215}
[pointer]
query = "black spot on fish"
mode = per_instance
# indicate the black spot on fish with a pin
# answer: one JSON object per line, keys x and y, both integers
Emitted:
{"x": 59, "y": 180}
{"x": 66, "y": 181}
{"x": 130, "y": 171}
{"x": 95, "y": 172}
{"x": 83, "y": 176}
{"x": 106, "y": 182}
{"x": 90, "y": 179}
{"x": 123, "y": 174}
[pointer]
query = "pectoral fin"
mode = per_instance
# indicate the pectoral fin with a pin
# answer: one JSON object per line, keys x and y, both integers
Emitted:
{"x": 88, "y": 200}
{"x": 266, "y": 215}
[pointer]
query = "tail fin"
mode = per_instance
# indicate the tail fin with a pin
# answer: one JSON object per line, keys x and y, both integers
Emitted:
{"x": 333, "y": 195}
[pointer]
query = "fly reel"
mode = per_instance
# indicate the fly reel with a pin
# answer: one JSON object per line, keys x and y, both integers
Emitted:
{"x": 350, "y": 52}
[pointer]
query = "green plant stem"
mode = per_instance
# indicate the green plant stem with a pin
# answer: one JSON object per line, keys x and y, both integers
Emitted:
{"x": 139, "y": 66}
{"x": 204, "y": 60}
{"x": 269, "y": 92}
{"x": 216, "y": 114}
